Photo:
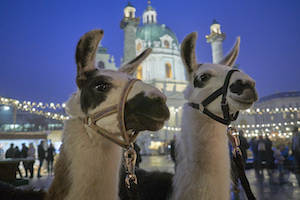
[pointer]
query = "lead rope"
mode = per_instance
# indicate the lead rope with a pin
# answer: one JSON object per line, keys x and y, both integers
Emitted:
{"x": 238, "y": 160}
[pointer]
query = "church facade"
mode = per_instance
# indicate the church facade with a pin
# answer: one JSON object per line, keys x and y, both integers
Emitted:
{"x": 163, "y": 68}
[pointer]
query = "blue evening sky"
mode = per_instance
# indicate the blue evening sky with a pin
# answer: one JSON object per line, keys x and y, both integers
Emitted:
{"x": 38, "y": 39}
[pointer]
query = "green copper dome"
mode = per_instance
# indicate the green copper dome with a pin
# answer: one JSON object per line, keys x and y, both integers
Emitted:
{"x": 153, "y": 31}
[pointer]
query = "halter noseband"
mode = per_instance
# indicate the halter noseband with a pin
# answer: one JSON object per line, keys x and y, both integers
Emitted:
{"x": 227, "y": 117}
{"x": 91, "y": 120}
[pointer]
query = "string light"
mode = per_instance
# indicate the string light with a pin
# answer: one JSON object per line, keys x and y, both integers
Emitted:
{"x": 269, "y": 111}
{"x": 36, "y": 108}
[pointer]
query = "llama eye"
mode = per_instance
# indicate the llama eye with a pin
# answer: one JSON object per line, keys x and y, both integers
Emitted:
{"x": 204, "y": 77}
{"x": 199, "y": 81}
{"x": 101, "y": 87}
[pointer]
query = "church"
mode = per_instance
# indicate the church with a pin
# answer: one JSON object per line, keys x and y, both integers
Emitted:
{"x": 163, "y": 68}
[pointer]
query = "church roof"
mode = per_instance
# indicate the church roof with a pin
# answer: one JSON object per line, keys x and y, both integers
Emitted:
{"x": 280, "y": 95}
{"x": 153, "y": 31}
{"x": 149, "y": 7}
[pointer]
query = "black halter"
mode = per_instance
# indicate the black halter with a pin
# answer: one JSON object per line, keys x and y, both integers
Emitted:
{"x": 227, "y": 118}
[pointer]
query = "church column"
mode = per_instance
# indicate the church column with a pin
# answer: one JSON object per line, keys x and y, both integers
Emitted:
{"x": 129, "y": 24}
{"x": 216, "y": 39}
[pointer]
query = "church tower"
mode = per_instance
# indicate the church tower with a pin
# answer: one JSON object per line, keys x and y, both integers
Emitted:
{"x": 129, "y": 24}
{"x": 216, "y": 39}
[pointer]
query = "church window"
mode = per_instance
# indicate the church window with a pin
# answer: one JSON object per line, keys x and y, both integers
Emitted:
{"x": 101, "y": 65}
{"x": 152, "y": 18}
{"x": 168, "y": 70}
{"x": 292, "y": 116}
{"x": 130, "y": 14}
{"x": 166, "y": 43}
{"x": 147, "y": 18}
{"x": 139, "y": 74}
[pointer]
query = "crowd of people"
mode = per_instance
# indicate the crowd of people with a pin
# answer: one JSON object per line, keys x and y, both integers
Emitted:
{"x": 280, "y": 156}
{"x": 30, "y": 153}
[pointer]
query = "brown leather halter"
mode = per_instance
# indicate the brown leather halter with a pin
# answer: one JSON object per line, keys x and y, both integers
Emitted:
{"x": 128, "y": 139}
{"x": 91, "y": 120}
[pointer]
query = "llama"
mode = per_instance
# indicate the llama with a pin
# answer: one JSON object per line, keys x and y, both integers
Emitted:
{"x": 89, "y": 163}
{"x": 202, "y": 160}
{"x": 203, "y": 163}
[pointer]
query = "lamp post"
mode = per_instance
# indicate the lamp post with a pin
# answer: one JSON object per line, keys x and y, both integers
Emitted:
{"x": 15, "y": 118}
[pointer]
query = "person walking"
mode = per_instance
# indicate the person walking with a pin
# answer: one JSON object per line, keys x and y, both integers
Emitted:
{"x": 296, "y": 149}
{"x": 50, "y": 158}
{"x": 24, "y": 152}
{"x": 31, "y": 154}
{"x": 41, "y": 156}
{"x": 244, "y": 145}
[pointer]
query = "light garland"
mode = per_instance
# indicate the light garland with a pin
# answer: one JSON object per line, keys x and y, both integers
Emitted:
{"x": 269, "y": 111}
{"x": 35, "y": 108}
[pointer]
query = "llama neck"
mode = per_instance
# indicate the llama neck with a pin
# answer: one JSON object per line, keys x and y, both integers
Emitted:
{"x": 95, "y": 163}
{"x": 203, "y": 170}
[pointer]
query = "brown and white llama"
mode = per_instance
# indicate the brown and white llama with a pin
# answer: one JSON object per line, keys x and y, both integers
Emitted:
{"x": 202, "y": 161}
{"x": 89, "y": 164}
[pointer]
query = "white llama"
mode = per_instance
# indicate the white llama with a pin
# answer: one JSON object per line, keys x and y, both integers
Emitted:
{"x": 89, "y": 164}
{"x": 203, "y": 163}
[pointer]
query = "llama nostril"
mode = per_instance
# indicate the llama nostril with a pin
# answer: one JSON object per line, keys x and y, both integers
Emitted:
{"x": 250, "y": 83}
{"x": 239, "y": 86}
{"x": 156, "y": 95}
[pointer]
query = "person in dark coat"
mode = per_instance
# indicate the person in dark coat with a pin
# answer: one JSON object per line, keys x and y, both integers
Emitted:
{"x": 42, "y": 156}
{"x": 263, "y": 154}
{"x": 296, "y": 149}
{"x": 24, "y": 152}
{"x": 50, "y": 158}
{"x": 10, "y": 152}
{"x": 269, "y": 145}
{"x": 244, "y": 145}
{"x": 17, "y": 154}
{"x": 253, "y": 148}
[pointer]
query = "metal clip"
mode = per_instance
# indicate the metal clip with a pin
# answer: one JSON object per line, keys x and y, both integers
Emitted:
{"x": 201, "y": 107}
{"x": 130, "y": 159}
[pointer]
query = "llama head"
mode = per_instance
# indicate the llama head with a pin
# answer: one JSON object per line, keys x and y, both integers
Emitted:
{"x": 98, "y": 89}
{"x": 205, "y": 79}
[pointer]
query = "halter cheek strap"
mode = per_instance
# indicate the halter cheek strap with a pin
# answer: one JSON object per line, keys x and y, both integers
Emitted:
{"x": 202, "y": 107}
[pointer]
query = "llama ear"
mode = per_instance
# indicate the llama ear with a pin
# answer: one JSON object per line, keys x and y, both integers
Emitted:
{"x": 231, "y": 57}
{"x": 86, "y": 53}
{"x": 188, "y": 54}
{"x": 130, "y": 67}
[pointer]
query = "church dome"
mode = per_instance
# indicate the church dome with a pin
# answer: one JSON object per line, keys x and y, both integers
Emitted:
{"x": 153, "y": 32}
